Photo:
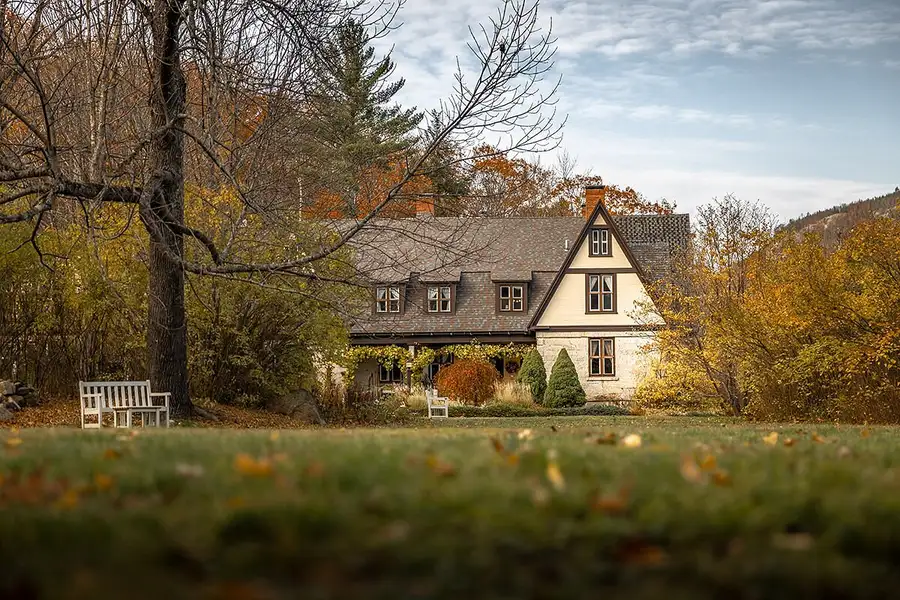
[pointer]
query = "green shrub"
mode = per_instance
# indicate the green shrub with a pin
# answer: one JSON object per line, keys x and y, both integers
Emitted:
{"x": 467, "y": 381}
{"x": 533, "y": 375}
{"x": 563, "y": 387}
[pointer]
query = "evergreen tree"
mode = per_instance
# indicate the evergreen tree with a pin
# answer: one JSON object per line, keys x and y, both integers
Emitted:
{"x": 563, "y": 387}
{"x": 533, "y": 374}
{"x": 355, "y": 128}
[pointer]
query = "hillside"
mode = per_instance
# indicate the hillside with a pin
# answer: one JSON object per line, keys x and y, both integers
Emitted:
{"x": 834, "y": 223}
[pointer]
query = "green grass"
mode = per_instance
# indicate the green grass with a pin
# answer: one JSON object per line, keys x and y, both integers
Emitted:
{"x": 366, "y": 514}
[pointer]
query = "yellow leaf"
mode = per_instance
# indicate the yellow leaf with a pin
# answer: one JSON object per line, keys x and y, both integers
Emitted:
{"x": 865, "y": 432}
{"x": 13, "y": 442}
{"x": 789, "y": 442}
{"x": 102, "y": 482}
{"x": 247, "y": 465}
{"x": 689, "y": 469}
{"x": 607, "y": 439}
{"x": 274, "y": 436}
{"x": 817, "y": 438}
{"x": 632, "y": 441}
{"x": 439, "y": 467}
{"x": 512, "y": 459}
{"x": 525, "y": 434}
{"x": 771, "y": 439}
{"x": 69, "y": 499}
{"x": 708, "y": 463}
{"x": 112, "y": 454}
{"x": 554, "y": 475}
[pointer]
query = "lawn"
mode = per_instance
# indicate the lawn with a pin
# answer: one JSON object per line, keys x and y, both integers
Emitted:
{"x": 552, "y": 507}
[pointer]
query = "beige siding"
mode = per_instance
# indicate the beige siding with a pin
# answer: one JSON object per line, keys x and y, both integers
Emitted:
{"x": 583, "y": 259}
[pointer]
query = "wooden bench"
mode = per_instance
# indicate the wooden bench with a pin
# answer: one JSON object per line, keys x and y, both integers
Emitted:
{"x": 123, "y": 399}
{"x": 438, "y": 406}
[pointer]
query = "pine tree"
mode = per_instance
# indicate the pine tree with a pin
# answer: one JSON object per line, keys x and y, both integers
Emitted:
{"x": 533, "y": 374}
{"x": 563, "y": 387}
{"x": 354, "y": 127}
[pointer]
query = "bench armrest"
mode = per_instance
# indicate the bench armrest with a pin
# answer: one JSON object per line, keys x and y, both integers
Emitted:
{"x": 164, "y": 395}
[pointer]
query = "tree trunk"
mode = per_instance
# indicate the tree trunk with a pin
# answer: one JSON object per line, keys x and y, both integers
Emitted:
{"x": 167, "y": 322}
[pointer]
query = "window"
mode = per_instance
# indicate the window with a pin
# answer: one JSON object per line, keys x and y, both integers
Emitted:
{"x": 387, "y": 299}
{"x": 390, "y": 374}
{"x": 599, "y": 245}
{"x": 602, "y": 356}
{"x": 601, "y": 293}
{"x": 511, "y": 298}
{"x": 440, "y": 298}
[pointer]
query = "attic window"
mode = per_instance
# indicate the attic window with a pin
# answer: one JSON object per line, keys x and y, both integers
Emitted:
{"x": 511, "y": 297}
{"x": 440, "y": 298}
{"x": 599, "y": 242}
{"x": 387, "y": 299}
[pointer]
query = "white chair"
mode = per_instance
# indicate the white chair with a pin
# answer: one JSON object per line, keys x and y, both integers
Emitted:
{"x": 438, "y": 406}
{"x": 123, "y": 399}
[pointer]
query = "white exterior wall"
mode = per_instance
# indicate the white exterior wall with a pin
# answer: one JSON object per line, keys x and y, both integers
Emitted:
{"x": 633, "y": 362}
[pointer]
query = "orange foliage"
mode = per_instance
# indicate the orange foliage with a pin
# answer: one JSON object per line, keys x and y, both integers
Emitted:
{"x": 467, "y": 381}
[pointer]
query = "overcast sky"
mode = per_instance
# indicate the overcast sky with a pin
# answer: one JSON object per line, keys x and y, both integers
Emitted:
{"x": 795, "y": 103}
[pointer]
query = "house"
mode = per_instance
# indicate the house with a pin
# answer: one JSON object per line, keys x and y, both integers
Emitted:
{"x": 577, "y": 283}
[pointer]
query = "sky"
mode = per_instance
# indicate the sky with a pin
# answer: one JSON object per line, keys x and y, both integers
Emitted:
{"x": 795, "y": 103}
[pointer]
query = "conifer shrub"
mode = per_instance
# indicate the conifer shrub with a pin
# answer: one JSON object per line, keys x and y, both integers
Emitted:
{"x": 533, "y": 375}
{"x": 467, "y": 381}
{"x": 563, "y": 387}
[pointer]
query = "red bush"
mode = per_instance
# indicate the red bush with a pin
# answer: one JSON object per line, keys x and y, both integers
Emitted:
{"x": 467, "y": 381}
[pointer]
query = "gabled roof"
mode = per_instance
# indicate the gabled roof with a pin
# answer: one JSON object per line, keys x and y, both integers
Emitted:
{"x": 476, "y": 253}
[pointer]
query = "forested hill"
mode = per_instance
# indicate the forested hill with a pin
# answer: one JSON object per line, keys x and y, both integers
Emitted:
{"x": 833, "y": 223}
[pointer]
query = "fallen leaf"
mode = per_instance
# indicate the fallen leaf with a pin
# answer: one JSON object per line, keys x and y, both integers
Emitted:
{"x": 112, "y": 454}
{"x": 817, "y": 438}
{"x": 13, "y": 442}
{"x": 102, "y": 482}
{"x": 844, "y": 452}
{"x": 540, "y": 496}
{"x": 512, "y": 459}
{"x": 69, "y": 499}
{"x": 865, "y": 432}
{"x": 186, "y": 470}
{"x": 439, "y": 467}
{"x": 721, "y": 478}
{"x": 314, "y": 469}
{"x": 689, "y": 469}
{"x": 771, "y": 439}
{"x": 247, "y": 465}
{"x": 789, "y": 442}
{"x": 525, "y": 434}
{"x": 554, "y": 475}
{"x": 274, "y": 436}
{"x": 553, "y": 428}
{"x": 793, "y": 541}
{"x": 607, "y": 439}
{"x": 498, "y": 445}
{"x": 632, "y": 441}
{"x": 235, "y": 502}
{"x": 708, "y": 463}
{"x": 612, "y": 504}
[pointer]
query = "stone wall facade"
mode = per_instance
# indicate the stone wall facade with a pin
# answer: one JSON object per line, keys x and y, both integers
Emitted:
{"x": 633, "y": 360}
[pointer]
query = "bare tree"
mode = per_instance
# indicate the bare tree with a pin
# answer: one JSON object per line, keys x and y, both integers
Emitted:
{"x": 130, "y": 102}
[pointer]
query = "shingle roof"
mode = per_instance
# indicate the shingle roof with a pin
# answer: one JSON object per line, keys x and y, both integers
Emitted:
{"x": 477, "y": 252}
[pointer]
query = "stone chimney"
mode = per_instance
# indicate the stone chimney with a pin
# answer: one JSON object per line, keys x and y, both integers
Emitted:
{"x": 592, "y": 195}
{"x": 424, "y": 207}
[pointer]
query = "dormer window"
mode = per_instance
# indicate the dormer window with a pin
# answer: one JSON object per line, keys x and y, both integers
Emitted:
{"x": 599, "y": 242}
{"x": 511, "y": 297}
{"x": 440, "y": 298}
{"x": 387, "y": 299}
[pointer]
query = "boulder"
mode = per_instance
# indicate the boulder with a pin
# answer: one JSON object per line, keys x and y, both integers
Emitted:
{"x": 18, "y": 400}
{"x": 7, "y": 388}
{"x": 298, "y": 405}
{"x": 5, "y": 415}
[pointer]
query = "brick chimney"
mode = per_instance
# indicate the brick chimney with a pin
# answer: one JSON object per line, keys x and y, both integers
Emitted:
{"x": 424, "y": 206}
{"x": 592, "y": 195}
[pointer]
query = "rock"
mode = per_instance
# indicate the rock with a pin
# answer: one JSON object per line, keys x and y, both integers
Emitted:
{"x": 5, "y": 415}
{"x": 298, "y": 405}
{"x": 11, "y": 405}
{"x": 25, "y": 390}
{"x": 16, "y": 398}
{"x": 7, "y": 388}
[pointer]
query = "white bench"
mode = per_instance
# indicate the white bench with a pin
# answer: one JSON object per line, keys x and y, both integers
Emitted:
{"x": 438, "y": 406}
{"x": 123, "y": 399}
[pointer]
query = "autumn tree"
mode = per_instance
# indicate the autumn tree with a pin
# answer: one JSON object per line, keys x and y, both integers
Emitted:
{"x": 129, "y": 104}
